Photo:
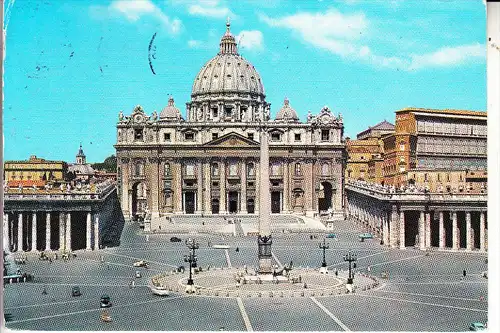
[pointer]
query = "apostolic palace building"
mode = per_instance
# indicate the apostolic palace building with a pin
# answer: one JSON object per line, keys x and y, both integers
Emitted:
{"x": 208, "y": 162}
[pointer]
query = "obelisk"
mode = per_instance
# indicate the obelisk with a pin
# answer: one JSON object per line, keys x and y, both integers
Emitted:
{"x": 264, "y": 239}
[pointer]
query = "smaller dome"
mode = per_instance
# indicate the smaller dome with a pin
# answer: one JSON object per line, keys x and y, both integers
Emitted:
{"x": 170, "y": 112}
{"x": 287, "y": 113}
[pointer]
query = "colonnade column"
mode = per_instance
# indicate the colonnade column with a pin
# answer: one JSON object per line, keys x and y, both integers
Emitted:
{"x": 47, "y": 232}
{"x": 67, "y": 247}
{"x": 96, "y": 233}
{"x": 6, "y": 230}
{"x": 62, "y": 231}
{"x": 469, "y": 242}
{"x": 427, "y": 230}
{"x": 222, "y": 184}
{"x": 402, "y": 233}
{"x": 20, "y": 232}
{"x": 88, "y": 245}
{"x": 386, "y": 229}
{"x": 243, "y": 197}
{"x": 442, "y": 231}
{"x": 199, "y": 194}
{"x": 455, "y": 231}
{"x": 421, "y": 231}
{"x": 394, "y": 227}
{"x": 33, "y": 231}
{"x": 482, "y": 232}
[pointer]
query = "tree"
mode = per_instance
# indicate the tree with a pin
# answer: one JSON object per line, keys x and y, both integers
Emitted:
{"x": 109, "y": 164}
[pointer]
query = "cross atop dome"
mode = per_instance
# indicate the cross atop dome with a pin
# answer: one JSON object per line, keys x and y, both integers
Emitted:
{"x": 228, "y": 42}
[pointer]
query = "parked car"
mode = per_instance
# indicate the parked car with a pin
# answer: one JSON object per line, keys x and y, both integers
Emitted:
{"x": 140, "y": 263}
{"x": 175, "y": 239}
{"x": 105, "y": 301}
{"x": 364, "y": 236}
{"x": 138, "y": 274}
{"x": 484, "y": 274}
{"x": 331, "y": 236}
{"x": 75, "y": 291}
{"x": 477, "y": 326}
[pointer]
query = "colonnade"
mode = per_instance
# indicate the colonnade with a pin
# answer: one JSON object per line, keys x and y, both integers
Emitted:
{"x": 400, "y": 226}
{"x": 24, "y": 232}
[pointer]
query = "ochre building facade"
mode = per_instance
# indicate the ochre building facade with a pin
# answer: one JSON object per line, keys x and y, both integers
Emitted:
{"x": 208, "y": 163}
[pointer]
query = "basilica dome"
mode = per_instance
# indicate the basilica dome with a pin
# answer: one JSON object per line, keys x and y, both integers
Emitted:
{"x": 287, "y": 113}
{"x": 227, "y": 72}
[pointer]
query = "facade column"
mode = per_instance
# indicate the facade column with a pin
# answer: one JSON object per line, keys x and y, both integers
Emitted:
{"x": 177, "y": 180}
{"x": 482, "y": 232}
{"x": 88, "y": 245}
{"x": 428, "y": 230}
{"x": 47, "y": 232}
{"x": 442, "y": 231}
{"x": 20, "y": 232}
{"x": 62, "y": 232}
{"x": 97, "y": 240}
{"x": 243, "y": 196}
{"x": 393, "y": 227}
{"x": 402, "y": 232}
{"x": 155, "y": 187}
{"x": 469, "y": 242}
{"x": 455, "y": 231}
{"x": 33, "y": 232}
{"x": 286, "y": 187}
{"x": 257, "y": 187}
{"x": 207, "y": 187}
{"x": 199, "y": 183}
{"x": 222, "y": 183}
{"x": 310, "y": 188}
{"x": 67, "y": 248}
{"x": 421, "y": 231}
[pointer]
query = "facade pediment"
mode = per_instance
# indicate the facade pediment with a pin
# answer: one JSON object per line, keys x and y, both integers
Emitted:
{"x": 232, "y": 140}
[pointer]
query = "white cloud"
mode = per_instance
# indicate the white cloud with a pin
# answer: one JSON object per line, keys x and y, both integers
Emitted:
{"x": 135, "y": 10}
{"x": 194, "y": 44}
{"x": 210, "y": 8}
{"x": 449, "y": 56}
{"x": 340, "y": 34}
{"x": 250, "y": 40}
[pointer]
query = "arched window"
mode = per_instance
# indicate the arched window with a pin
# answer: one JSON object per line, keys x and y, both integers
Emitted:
{"x": 298, "y": 171}
{"x": 139, "y": 168}
{"x": 166, "y": 169}
{"x": 251, "y": 169}
{"x": 275, "y": 169}
{"x": 215, "y": 169}
{"x": 325, "y": 169}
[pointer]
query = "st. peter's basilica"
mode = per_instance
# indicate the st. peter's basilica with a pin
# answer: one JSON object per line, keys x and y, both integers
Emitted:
{"x": 208, "y": 163}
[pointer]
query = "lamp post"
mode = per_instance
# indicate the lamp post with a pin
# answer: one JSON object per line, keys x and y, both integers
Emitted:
{"x": 324, "y": 246}
{"x": 350, "y": 257}
{"x": 191, "y": 259}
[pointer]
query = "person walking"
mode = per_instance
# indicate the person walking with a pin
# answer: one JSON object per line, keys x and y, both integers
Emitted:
{"x": 464, "y": 273}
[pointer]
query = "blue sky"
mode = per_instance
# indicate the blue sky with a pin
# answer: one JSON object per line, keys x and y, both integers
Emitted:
{"x": 70, "y": 67}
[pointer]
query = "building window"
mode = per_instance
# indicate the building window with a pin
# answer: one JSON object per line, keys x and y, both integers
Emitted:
{"x": 214, "y": 113}
{"x": 228, "y": 112}
{"x": 138, "y": 169}
{"x": 250, "y": 136}
{"x": 297, "y": 136}
{"x": 166, "y": 136}
{"x": 439, "y": 177}
{"x": 251, "y": 169}
{"x": 189, "y": 136}
{"x": 251, "y": 184}
{"x": 189, "y": 170}
{"x": 325, "y": 169}
{"x": 215, "y": 169}
{"x": 276, "y": 136}
{"x": 215, "y": 184}
{"x": 298, "y": 172}
{"x": 166, "y": 169}
{"x": 325, "y": 135}
{"x": 138, "y": 134}
{"x": 402, "y": 146}
{"x": 215, "y": 136}
{"x": 233, "y": 169}
{"x": 275, "y": 169}
{"x": 425, "y": 177}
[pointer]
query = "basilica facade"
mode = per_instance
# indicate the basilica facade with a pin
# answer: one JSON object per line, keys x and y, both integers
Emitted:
{"x": 208, "y": 162}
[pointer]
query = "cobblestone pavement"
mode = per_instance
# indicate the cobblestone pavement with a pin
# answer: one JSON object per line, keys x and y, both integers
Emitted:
{"x": 422, "y": 292}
